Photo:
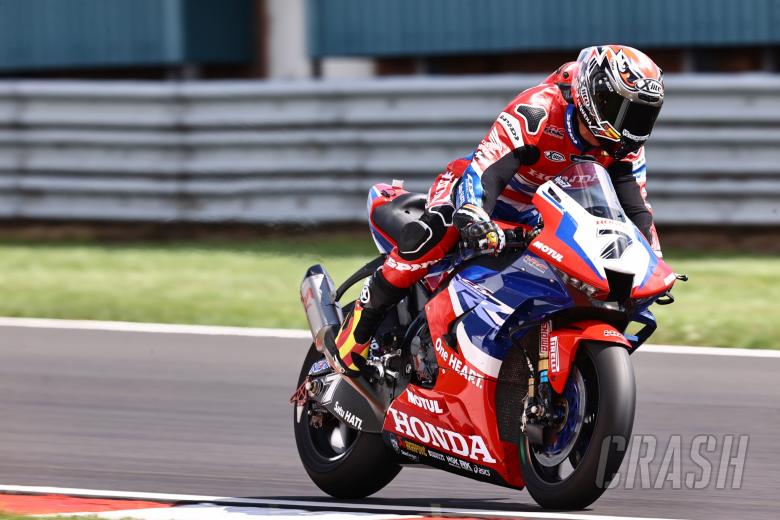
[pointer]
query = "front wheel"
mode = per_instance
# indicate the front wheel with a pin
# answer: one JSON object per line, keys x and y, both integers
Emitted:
{"x": 341, "y": 461}
{"x": 577, "y": 462}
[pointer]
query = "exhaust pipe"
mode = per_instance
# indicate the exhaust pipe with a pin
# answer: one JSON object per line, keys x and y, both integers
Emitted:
{"x": 318, "y": 295}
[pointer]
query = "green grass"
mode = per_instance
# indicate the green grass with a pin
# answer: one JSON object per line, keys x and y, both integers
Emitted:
{"x": 206, "y": 283}
{"x": 731, "y": 300}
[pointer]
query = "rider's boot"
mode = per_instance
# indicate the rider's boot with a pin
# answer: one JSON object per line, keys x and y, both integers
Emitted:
{"x": 350, "y": 348}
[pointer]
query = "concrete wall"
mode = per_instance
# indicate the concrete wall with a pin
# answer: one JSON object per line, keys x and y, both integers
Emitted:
{"x": 308, "y": 151}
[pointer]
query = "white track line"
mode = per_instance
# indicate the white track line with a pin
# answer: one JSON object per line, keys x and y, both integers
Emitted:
{"x": 209, "y": 330}
{"x": 234, "y": 512}
{"x": 156, "y": 328}
{"x": 325, "y": 504}
{"x": 710, "y": 351}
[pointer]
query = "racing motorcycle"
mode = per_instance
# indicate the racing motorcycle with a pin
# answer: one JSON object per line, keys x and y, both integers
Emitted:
{"x": 512, "y": 369}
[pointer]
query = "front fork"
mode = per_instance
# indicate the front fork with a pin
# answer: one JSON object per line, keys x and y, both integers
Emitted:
{"x": 539, "y": 409}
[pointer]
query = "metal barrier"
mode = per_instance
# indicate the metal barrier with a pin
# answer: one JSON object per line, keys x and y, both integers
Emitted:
{"x": 308, "y": 152}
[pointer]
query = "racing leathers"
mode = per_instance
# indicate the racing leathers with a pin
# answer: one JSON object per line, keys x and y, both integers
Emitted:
{"x": 533, "y": 140}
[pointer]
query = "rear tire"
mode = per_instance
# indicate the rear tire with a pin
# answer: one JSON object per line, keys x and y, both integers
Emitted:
{"x": 363, "y": 467}
{"x": 610, "y": 402}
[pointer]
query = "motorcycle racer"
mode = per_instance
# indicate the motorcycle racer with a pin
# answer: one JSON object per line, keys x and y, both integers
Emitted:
{"x": 601, "y": 107}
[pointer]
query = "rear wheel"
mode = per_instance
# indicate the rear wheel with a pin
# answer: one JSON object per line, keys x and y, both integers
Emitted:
{"x": 341, "y": 461}
{"x": 575, "y": 464}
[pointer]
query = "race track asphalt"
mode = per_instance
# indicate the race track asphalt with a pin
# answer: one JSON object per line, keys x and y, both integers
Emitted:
{"x": 181, "y": 413}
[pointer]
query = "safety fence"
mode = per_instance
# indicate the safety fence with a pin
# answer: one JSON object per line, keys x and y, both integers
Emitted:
{"x": 263, "y": 152}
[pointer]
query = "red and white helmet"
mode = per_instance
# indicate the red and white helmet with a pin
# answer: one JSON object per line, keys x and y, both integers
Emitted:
{"x": 618, "y": 92}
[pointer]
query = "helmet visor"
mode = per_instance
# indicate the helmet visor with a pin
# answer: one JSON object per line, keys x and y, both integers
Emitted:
{"x": 638, "y": 120}
{"x": 631, "y": 119}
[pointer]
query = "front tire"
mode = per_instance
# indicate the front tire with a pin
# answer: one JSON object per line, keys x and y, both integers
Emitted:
{"x": 609, "y": 403}
{"x": 341, "y": 461}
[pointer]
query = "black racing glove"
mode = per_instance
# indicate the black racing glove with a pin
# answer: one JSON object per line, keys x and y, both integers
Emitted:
{"x": 477, "y": 230}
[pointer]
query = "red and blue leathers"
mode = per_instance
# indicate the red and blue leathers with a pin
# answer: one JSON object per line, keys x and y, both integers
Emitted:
{"x": 533, "y": 139}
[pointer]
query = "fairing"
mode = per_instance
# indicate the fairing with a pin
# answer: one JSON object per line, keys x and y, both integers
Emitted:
{"x": 487, "y": 305}
{"x": 585, "y": 232}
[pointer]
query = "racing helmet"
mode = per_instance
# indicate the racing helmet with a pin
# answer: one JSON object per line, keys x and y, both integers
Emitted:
{"x": 618, "y": 92}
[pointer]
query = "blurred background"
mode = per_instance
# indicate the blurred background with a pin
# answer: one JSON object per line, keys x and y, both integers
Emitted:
{"x": 185, "y": 160}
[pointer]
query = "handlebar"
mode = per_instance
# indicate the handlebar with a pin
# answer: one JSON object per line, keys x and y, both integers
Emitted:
{"x": 520, "y": 237}
{"x": 516, "y": 239}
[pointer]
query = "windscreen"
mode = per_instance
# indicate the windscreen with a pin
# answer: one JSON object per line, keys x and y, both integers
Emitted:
{"x": 589, "y": 184}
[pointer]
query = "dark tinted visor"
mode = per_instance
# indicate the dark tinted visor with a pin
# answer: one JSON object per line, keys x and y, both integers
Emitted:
{"x": 607, "y": 102}
{"x": 621, "y": 113}
{"x": 639, "y": 119}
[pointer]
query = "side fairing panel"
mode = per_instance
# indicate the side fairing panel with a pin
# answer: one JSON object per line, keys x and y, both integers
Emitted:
{"x": 480, "y": 306}
{"x": 492, "y": 304}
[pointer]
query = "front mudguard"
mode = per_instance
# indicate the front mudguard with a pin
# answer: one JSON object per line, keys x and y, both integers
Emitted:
{"x": 564, "y": 343}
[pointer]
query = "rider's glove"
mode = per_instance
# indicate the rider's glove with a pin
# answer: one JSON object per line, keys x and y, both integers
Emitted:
{"x": 478, "y": 231}
{"x": 484, "y": 236}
